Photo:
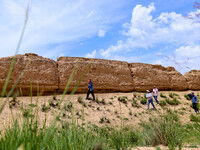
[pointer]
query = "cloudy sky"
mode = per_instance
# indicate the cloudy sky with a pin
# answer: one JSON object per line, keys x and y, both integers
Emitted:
{"x": 147, "y": 31}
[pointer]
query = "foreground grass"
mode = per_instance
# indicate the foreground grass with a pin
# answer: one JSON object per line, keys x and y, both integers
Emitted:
{"x": 164, "y": 130}
{"x": 68, "y": 136}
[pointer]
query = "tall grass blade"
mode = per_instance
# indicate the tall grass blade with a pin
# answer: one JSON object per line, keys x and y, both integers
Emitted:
{"x": 17, "y": 49}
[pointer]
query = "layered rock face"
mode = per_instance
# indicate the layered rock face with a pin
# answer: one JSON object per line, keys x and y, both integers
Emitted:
{"x": 107, "y": 75}
{"x": 193, "y": 79}
{"x": 41, "y": 74}
{"x": 177, "y": 80}
{"x": 47, "y": 76}
{"x": 145, "y": 76}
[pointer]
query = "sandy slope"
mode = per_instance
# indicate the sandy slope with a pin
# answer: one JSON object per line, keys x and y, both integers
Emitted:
{"x": 116, "y": 112}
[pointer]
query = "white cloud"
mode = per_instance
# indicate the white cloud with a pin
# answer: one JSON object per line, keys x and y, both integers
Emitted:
{"x": 102, "y": 33}
{"x": 113, "y": 48}
{"x": 188, "y": 51}
{"x": 92, "y": 55}
{"x": 184, "y": 58}
{"x": 188, "y": 57}
{"x": 144, "y": 31}
{"x": 53, "y": 23}
{"x": 129, "y": 59}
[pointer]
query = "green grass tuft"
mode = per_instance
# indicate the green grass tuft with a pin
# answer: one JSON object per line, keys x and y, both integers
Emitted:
{"x": 187, "y": 97}
{"x": 173, "y": 102}
{"x": 162, "y": 95}
{"x": 194, "y": 118}
{"x": 162, "y": 103}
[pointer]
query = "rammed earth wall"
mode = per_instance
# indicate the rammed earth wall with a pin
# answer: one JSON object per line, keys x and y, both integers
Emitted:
{"x": 46, "y": 76}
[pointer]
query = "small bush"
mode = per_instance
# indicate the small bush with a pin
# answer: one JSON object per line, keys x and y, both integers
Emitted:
{"x": 172, "y": 114}
{"x": 104, "y": 120}
{"x": 123, "y": 99}
{"x": 32, "y": 105}
{"x": 162, "y": 95}
{"x": 78, "y": 114}
{"x": 187, "y": 97}
{"x": 27, "y": 113}
{"x": 135, "y": 95}
{"x": 80, "y": 100}
{"x": 182, "y": 108}
{"x": 164, "y": 130}
{"x": 103, "y": 101}
{"x": 172, "y": 102}
{"x": 181, "y": 113}
{"x": 97, "y": 100}
{"x": 125, "y": 118}
{"x": 53, "y": 103}
{"x": 14, "y": 97}
{"x": 54, "y": 97}
{"x": 108, "y": 110}
{"x": 143, "y": 101}
{"x": 69, "y": 106}
{"x": 135, "y": 104}
{"x": 162, "y": 103}
{"x": 194, "y": 118}
{"x": 130, "y": 100}
{"x": 84, "y": 105}
{"x": 130, "y": 113}
{"x": 122, "y": 139}
{"x": 172, "y": 95}
{"x": 45, "y": 108}
{"x": 14, "y": 101}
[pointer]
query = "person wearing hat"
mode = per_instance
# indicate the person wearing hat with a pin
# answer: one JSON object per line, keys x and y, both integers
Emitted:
{"x": 155, "y": 94}
{"x": 150, "y": 99}
{"x": 194, "y": 102}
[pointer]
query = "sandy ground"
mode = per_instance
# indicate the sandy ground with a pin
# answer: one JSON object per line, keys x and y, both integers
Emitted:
{"x": 111, "y": 113}
{"x": 90, "y": 111}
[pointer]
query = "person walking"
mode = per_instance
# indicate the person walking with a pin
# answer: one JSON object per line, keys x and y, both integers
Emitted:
{"x": 90, "y": 90}
{"x": 150, "y": 99}
{"x": 194, "y": 102}
{"x": 155, "y": 94}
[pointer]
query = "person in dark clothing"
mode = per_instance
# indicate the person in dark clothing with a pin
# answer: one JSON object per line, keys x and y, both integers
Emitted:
{"x": 194, "y": 102}
{"x": 90, "y": 90}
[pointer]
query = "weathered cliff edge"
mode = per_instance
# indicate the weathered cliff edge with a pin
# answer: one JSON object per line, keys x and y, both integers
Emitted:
{"x": 47, "y": 76}
{"x": 41, "y": 74}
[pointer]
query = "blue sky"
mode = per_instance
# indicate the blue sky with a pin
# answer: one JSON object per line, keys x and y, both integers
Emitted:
{"x": 147, "y": 31}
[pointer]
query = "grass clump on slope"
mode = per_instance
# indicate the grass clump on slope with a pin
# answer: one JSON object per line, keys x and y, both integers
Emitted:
{"x": 164, "y": 130}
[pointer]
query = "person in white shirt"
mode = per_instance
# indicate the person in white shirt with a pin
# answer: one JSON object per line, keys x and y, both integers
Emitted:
{"x": 149, "y": 99}
{"x": 155, "y": 94}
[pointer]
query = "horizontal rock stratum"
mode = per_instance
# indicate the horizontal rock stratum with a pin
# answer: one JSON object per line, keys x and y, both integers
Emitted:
{"x": 193, "y": 79}
{"x": 145, "y": 76}
{"x": 107, "y": 75}
{"x": 46, "y": 76}
{"x": 40, "y": 75}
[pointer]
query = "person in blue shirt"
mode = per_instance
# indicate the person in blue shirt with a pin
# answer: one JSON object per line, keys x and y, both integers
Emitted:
{"x": 90, "y": 90}
{"x": 195, "y": 102}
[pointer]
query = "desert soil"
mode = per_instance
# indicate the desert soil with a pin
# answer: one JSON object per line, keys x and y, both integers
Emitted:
{"x": 111, "y": 113}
